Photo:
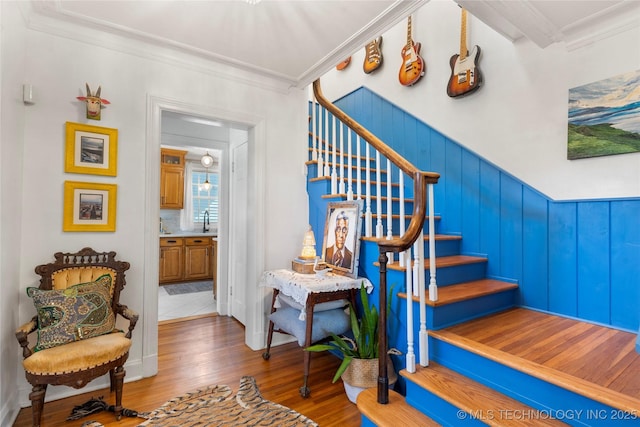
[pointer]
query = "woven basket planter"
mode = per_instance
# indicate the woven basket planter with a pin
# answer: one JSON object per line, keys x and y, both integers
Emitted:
{"x": 364, "y": 373}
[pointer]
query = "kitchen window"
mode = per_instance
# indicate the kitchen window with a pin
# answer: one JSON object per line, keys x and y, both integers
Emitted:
{"x": 203, "y": 199}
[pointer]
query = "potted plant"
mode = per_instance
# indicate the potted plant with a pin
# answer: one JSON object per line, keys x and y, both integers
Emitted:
{"x": 359, "y": 367}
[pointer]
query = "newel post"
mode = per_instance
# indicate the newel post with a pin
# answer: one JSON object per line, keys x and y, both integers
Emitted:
{"x": 383, "y": 378}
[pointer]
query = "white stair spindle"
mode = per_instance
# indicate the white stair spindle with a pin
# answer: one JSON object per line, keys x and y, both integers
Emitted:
{"x": 401, "y": 211}
{"x": 341, "y": 188}
{"x": 327, "y": 165}
{"x": 433, "y": 287}
{"x": 334, "y": 173}
{"x": 314, "y": 152}
{"x": 368, "y": 220}
{"x": 320, "y": 171}
{"x": 423, "y": 337}
{"x": 405, "y": 259}
{"x": 379, "y": 229}
{"x": 358, "y": 169}
{"x": 390, "y": 255}
{"x": 416, "y": 268}
{"x": 349, "y": 166}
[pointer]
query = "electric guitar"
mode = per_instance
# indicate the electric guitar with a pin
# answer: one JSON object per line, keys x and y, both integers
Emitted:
{"x": 341, "y": 66}
{"x": 373, "y": 56}
{"x": 465, "y": 77}
{"x": 413, "y": 67}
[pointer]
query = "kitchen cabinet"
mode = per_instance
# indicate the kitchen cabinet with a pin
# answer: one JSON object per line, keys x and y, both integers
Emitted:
{"x": 214, "y": 266}
{"x": 197, "y": 258}
{"x": 172, "y": 178}
{"x": 184, "y": 259}
{"x": 171, "y": 259}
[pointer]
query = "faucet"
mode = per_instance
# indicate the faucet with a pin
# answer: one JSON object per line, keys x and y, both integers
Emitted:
{"x": 205, "y": 222}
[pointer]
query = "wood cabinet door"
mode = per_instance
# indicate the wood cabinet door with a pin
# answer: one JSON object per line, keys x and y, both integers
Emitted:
{"x": 197, "y": 259}
{"x": 171, "y": 188}
{"x": 171, "y": 263}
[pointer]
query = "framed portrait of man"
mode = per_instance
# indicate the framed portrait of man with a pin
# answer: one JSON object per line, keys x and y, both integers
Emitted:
{"x": 342, "y": 230}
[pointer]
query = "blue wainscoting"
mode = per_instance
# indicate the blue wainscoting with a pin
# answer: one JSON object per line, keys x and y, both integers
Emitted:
{"x": 575, "y": 258}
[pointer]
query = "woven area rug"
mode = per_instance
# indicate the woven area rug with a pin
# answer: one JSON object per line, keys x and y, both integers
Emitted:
{"x": 214, "y": 406}
{"x": 189, "y": 287}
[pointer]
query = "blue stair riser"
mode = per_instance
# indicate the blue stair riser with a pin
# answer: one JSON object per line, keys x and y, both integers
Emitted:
{"x": 438, "y": 409}
{"x": 439, "y": 317}
{"x": 569, "y": 407}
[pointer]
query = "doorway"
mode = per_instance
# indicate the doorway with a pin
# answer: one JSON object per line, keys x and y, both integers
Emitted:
{"x": 255, "y": 230}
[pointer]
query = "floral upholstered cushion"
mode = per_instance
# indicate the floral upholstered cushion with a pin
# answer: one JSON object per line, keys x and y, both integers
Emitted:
{"x": 75, "y": 313}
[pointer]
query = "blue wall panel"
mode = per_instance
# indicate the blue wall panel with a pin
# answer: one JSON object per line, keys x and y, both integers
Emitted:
{"x": 625, "y": 263}
{"x": 575, "y": 258}
{"x": 562, "y": 259}
{"x": 535, "y": 231}
{"x": 593, "y": 261}
{"x": 510, "y": 227}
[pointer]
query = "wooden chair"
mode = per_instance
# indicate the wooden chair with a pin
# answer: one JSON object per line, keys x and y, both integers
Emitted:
{"x": 77, "y": 304}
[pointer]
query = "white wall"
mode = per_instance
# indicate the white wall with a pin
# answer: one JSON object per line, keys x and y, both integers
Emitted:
{"x": 130, "y": 73}
{"x": 518, "y": 120}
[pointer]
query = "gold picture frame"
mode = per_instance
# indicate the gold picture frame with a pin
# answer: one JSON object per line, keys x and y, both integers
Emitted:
{"x": 89, "y": 206}
{"x": 91, "y": 149}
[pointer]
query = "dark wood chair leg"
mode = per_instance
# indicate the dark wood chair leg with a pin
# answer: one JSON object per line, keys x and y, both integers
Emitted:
{"x": 118, "y": 377}
{"x": 267, "y": 353}
{"x": 37, "y": 403}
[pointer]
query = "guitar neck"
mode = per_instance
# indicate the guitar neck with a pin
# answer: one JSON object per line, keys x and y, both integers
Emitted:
{"x": 409, "y": 41}
{"x": 463, "y": 35}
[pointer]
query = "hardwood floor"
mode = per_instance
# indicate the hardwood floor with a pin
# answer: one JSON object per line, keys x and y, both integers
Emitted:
{"x": 210, "y": 350}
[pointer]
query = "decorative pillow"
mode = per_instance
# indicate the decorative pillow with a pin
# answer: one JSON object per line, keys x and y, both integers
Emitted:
{"x": 78, "y": 312}
{"x": 324, "y": 323}
{"x": 323, "y": 306}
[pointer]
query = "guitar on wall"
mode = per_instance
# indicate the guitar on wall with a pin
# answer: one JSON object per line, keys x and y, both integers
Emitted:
{"x": 341, "y": 66}
{"x": 413, "y": 67}
{"x": 373, "y": 56}
{"x": 465, "y": 77}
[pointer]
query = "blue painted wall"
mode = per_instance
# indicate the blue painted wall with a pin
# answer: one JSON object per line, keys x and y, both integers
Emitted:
{"x": 575, "y": 258}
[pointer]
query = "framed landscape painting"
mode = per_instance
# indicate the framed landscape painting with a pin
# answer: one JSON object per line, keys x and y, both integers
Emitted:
{"x": 91, "y": 149}
{"x": 89, "y": 206}
{"x": 604, "y": 117}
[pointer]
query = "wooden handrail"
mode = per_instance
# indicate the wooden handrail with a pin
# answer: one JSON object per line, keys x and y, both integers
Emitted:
{"x": 420, "y": 178}
{"x": 399, "y": 244}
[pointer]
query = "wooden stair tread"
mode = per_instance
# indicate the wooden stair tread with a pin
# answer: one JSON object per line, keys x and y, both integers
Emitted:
{"x": 478, "y": 400}
{"x": 441, "y": 262}
{"x": 394, "y": 414}
{"x": 589, "y": 389}
{"x": 465, "y": 291}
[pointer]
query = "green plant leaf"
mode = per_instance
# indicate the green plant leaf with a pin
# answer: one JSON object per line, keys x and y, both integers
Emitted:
{"x": 343, "y": 367}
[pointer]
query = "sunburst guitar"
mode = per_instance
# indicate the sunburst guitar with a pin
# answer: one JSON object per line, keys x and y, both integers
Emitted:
{"x": 373, "y": 56}
{"x": 466, "y": 77}
{"x": 413, "y": 67}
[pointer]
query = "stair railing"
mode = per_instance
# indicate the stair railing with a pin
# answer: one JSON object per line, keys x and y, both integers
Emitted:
{"x": 423, "y": 196}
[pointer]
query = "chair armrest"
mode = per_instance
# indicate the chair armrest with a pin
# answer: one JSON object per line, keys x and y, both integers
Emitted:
{"x": 22, "y": 334}
{"x": 128, "y": 314}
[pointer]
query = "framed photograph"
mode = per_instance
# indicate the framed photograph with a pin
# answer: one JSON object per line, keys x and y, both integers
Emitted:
{"x": 342, "y": 230}
{"x": 91, "y": 149}
{"x": 89, "y": 206}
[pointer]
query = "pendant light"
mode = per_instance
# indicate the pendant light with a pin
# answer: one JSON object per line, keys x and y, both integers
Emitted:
{"x": 207, "y": 162}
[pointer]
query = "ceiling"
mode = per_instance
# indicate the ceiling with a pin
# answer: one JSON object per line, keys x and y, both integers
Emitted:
{"x": 296, "y": 41}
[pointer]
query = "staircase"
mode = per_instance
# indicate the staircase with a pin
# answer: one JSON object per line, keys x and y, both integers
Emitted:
{"x": 464, "y": 377}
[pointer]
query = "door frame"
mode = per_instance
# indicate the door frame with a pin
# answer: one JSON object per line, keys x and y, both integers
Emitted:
{"x": 255, "y": 322}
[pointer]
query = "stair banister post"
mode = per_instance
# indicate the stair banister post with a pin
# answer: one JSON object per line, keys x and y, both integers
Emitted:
{"x": 320, "y": 171}
{"x": 383, "y": 378}
{"x": 341, "y": 186}
{"x": 368, "y": 220}
{"x": 411, "y": 356}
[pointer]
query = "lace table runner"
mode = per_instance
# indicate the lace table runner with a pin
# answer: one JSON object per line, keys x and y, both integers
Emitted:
{"x": 298, "y": 285}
